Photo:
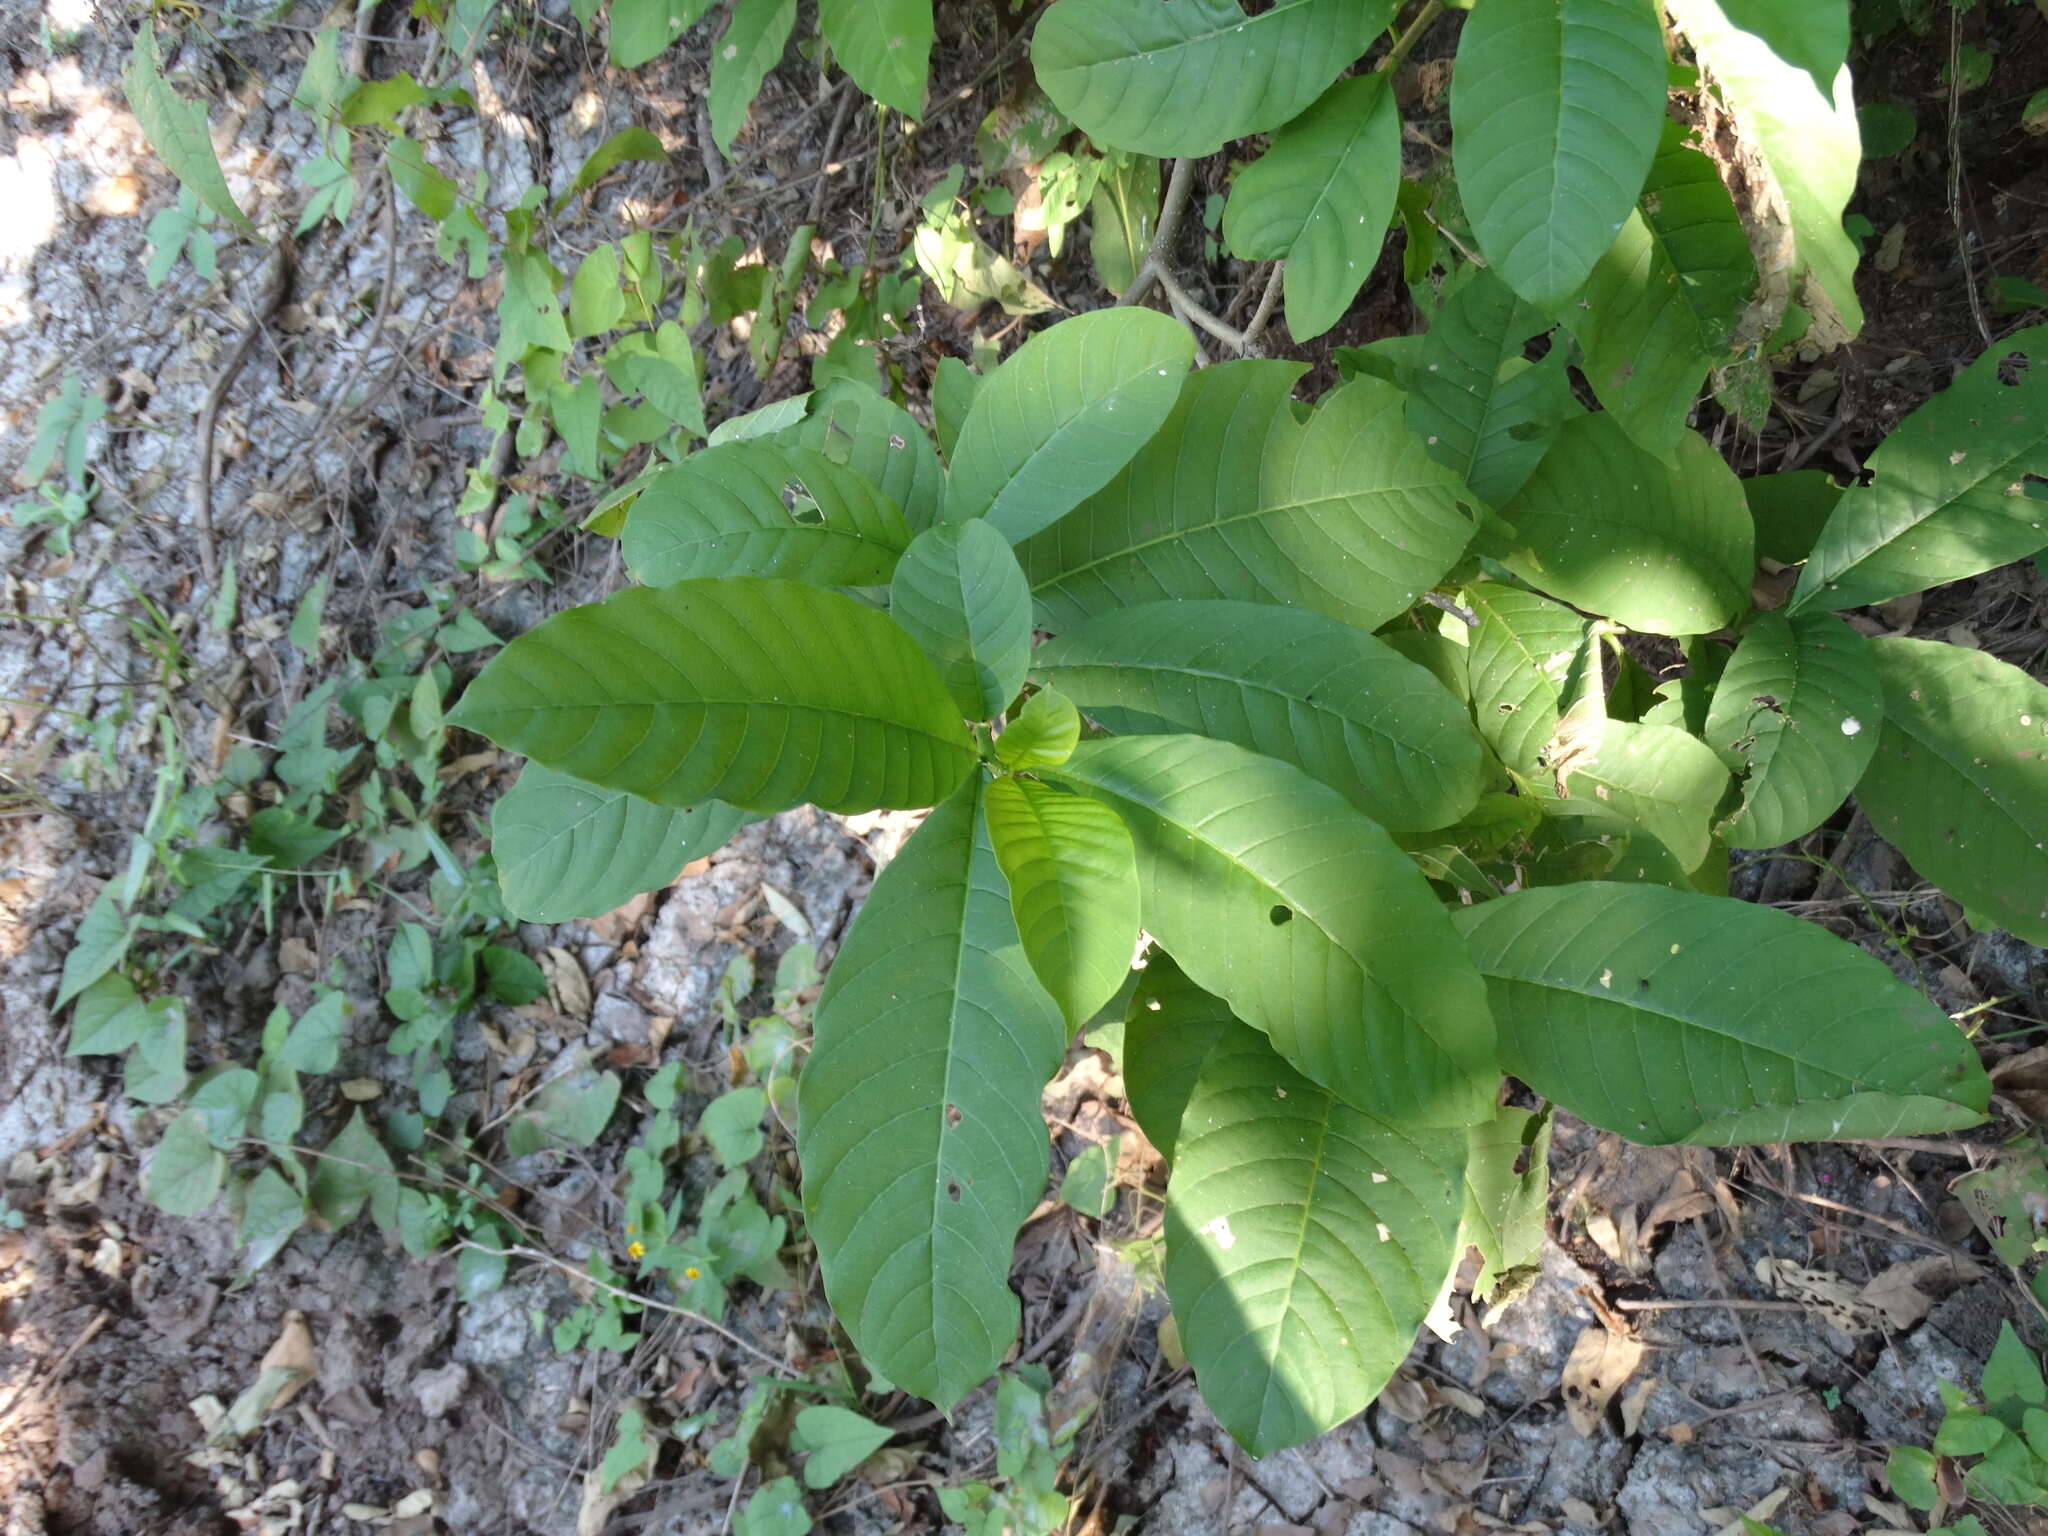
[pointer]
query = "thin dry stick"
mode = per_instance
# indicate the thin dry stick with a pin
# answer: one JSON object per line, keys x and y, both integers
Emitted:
{"x": 86, "y": 1336}
{"x": 209, "y": 410}
{"x": 1955, "y": 173}
{"x": 824, "y": 181}
{"x": 1178, "y": 185}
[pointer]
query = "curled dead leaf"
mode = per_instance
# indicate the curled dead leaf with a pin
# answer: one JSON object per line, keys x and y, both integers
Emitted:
{"x": 1600, "y": 1365}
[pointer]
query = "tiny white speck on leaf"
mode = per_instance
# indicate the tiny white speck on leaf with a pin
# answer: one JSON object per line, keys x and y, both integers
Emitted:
{"x": 1218, "y": 1231}
{"x": 1607, "y": 977}
{"x": 1851, "y": 725}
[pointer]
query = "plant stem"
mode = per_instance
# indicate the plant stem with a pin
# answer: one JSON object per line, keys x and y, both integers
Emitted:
{"x": 1405, "y": 43}
{"x": 1178, "y": 185}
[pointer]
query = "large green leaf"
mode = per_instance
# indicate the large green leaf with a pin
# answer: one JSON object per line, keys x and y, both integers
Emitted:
{"x": 641, "y": 29}
{"x": 879, "y": 441}
{"x": 1798, "y": 708}
{"x": 886, "y": 45}
{"x": 1555, "y": 111}
{"x": 1808, "y": 143}
{"x": 1673, "y": 1017}
{"x": 566, "y": 849}
{"x": 1063, "y": 414}
{"x": 1812, "y": 34}
{"x": 1520, "y": 663}
{"x": 1320, "y": 198}
{"x": 1609, "y": 528}
{"x": 763, "y": 509}
{"x": 1169, "y": 1030}
{"x": 1187, "y": 78}
{"x": 1947, "y": 494}
{"x": 1789, "y": 511}
{"x": 764, "y": 694}
{"x": 1477, "y": 406}
{"x": 177, "y": 129}
{"x": 1662, "y": 300}
{"x": 1347, "y": 515}
{"x": 751, "y": 44}
{"x": 1340, "y": 705}
{"x": 1279, "y": 896}
{"x": 920, "y": 1133}
{"x": 1664, "y": 780}
{"x": 1960, "y": 779}
{"x": 1073, "y": 886}
{"x": 1305, "y": 1243}
{"x": 959, "y": 593}
{"x": 1507, "y": 1193}
{"x": 1123, "y": 213}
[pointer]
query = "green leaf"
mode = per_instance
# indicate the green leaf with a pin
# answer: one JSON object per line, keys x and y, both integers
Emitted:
{"x": 1089, "y": 1184}
{"x": 1305, "y": 1242}
{"x": 1187, "y": 78}
{"x": 1672, "y": 1017}
{"x": 732, "y": 1124}
{"x": 1043, "y": 734}
{"x": 1073, "y": 888}
{"x": 109, "y": 1018}
{"x": 959, "y": 593}
{"x": 1911, "y": 1471}
{"x": 185, "y": 1172}
{"x": 663, "y": 369}
{"x": 640, "y": 29}
{"x": 1959, "y": 784}
{"x": 272, "y": 1211}
{"x": 1812, "y": 35}
{"x": 953, "y": 390}
{"x": 1658, "y": 777}
{"x": 177, "y": 130}
{"x": 728, "y": 512}
{"x": 1555, "y": 110}
{"x": 2012, "y": 1374}
{"x": 750, "y": 46}
{"x": 154, "y": 1072}
{"x": 1807, "y": 142}
{"x": 1337, "y": 703}
{"x": 596, "y": 302}
{"x": 1662, "y": 301}
{"x": 1505, "y": 1209}
{"x": 776, "y": 1509}
{"x": 837, "y": 1439}
{"x": 879, "y": 441}
{"x": 314, "y": 1044}
{"x": 225, "y": 1098}
{"x": 1123, "y": 213}
{"x": 571, "y": 1110}
{"x": 1346, "y": 515}
{"x": 1608, "y": 528}
{"x": 1798, "y": 709}
{"x": 1169, "y": 1030}
{"x": 1276, "y": 894}
{"x": 626, "y": 144}
{"x": 920, "y": 1134}
{"x": 566, "y": 849}
{"x": 1062, "y": 414}
{"x": 1320, "y": 197}
{"x": 734, "y": 689}
{"x": 99, "y": 945}
{"x": 510, "y": 977}
{"x": 630, "y": 1450}
{"x": 886, "y": 45}
{"x": 1789, "y": 511}
{"x": 354, "y": 1172}
{"x": 1480, "y": 409}
{"x": 1525, "y": 658}
{"x": 424, "y": 187}
{"x": 1947, "y": 497}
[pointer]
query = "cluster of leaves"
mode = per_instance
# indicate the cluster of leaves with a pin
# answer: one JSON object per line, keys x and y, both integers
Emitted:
{"x": 1996, "y": 1454}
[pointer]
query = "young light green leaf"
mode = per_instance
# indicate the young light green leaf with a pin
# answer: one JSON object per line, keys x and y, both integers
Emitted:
{"x": 353, "y": 1173}
{"x": 664, "y": 369}
{"x": 177, "y": 130}
{"x": 1668, "y": 1016}
{"x": 1337, "y": 703}
{"x": 1320, "y": 197}
{"x": 1089, "y": 1184}
{"x": 272, "y": 1211}
{"x": 1169, "y": 1030}
{"x": 885, "y": 45}
{"x": 154, "y": 1072}
{"x": 837, "y": 1439}
{"x": 1276, "y": 894}
{"x": 959, "y": 593}
{"x": 97, "y": 947}
{"x": 631, "y": 1449}
{"x": 879, "y": 441}
{"x": 1042, "y": 735}
{"x": 1525, "y": 658}
{"x": 763, "y": 509}
{"x": 1187, "y": 78}
{"x": 1798, "y": 711}
{"x": 1947, "y": 498}
{"x": 1507, "y": 1193}
{"x": 1122, "y": 214}
{"x": 750, "y": 46}
{"x": 641, "y": 29}
{"x": 596, "y": 302}
{"x": 626, "y": 144}
{"x": 732, "y": 1124}
{"x": 1346, "y": 515}
{"x": 920, "y": 1133}
{"x": 424, "y": 187}
{"x": 1482, "y": 410}
{"x": 566, "y": 849}
{"x": 1305, "y": 1241}
{"x": 2012, "y": 1374}
{"x": 733, "y": 689}
{"x": 109, "y": 1018}
{"x": 1555, "y": 110}
{"x": 1657, "y": 777}
{"x": 953, "y": 390}
{"x": 1073, "y": 887}
{"x": 225, "y": 1098}
{"x": 1960, "y": 780}
{"x": 185, "y": 1172}
{"x": 775, "y": 1509}
{"x": 1062, "y": 415}
{"x": 1812, "y": 35}
{"x": 1608, "y": 528}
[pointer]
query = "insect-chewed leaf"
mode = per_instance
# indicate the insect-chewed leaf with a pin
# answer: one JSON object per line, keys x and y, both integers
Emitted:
{"x": 1798, "y": 706}
{"x": 1187, "y": 78}
{"x": 1278, "y": 895}
{"x": 1305, "y": 1242}
{"x": 1555, "y": 110}
{"x": 1960, "y": 779}
{"x": 920, "y": 1133}
{"x": 1608, "y": 528}
{"x": 1507, "y": 1191}
{"x": 1806, "y": 138}
{"x": 1320, "y": 198}
{"x": 1521, "y": 662}
{"x": 1662, "y": 300}
{"x": 1169, "y": 1030}
{"x": 1062, "y": 415}
{"x": 886, "y": 45}
{"x": 566, "y": 849}
{"x": 755, "y": 35}
{"x": 1337, "y": 703}
{"x": 1672, "y": 1017}
{"x": 1073, "y": 887}
{"x": 1479, "y": 409}
{"x": 1948, "y": 494}
{"x": 879, "y": 441}
{"x": 958, "y": 592}
{"x": 1346, "y": 515}
{"x": 764, "y": 694}
{"x": 763, "y": 509}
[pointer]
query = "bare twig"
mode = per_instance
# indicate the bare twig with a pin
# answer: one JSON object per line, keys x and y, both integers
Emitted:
{"x": 56, "y": 1371}
{"x": 1955, "y": 173}
{"x": 824, "y": 181}
{"x": 280, "y": 263}
{"x": 1189, "y": 309}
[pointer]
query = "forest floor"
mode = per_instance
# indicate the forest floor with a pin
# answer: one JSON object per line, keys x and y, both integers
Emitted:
{"x": 342, "y": 440}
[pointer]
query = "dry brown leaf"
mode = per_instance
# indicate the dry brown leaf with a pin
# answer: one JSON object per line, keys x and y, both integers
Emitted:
{"x": 1839, "y": 1302}
{"x": 1678, "y": 1434}
{"x": 1405, "y": 1398}
{"x": 1600, "y": 1365}
{"x": 568, "y": 987}
{"x": 1897, "y": 1293}
{"x": 1634, "y": 1403}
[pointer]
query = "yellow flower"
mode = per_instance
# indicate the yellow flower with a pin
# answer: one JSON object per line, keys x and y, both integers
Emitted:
{"x": 692, "y": 1273}
{"x": 637, "y": 1250}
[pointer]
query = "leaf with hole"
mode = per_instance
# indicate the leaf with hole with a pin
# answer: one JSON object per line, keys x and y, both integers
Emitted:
{"x": 1525, "y": 658}
{"x": 1657, "y": 777}
{"x": 879, "y": 441}
{"x": 960, "y": 594}
{"x": 1507, "y": 1192}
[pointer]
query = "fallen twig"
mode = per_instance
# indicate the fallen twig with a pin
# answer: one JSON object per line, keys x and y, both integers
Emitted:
{"x": 209, "y": 410}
